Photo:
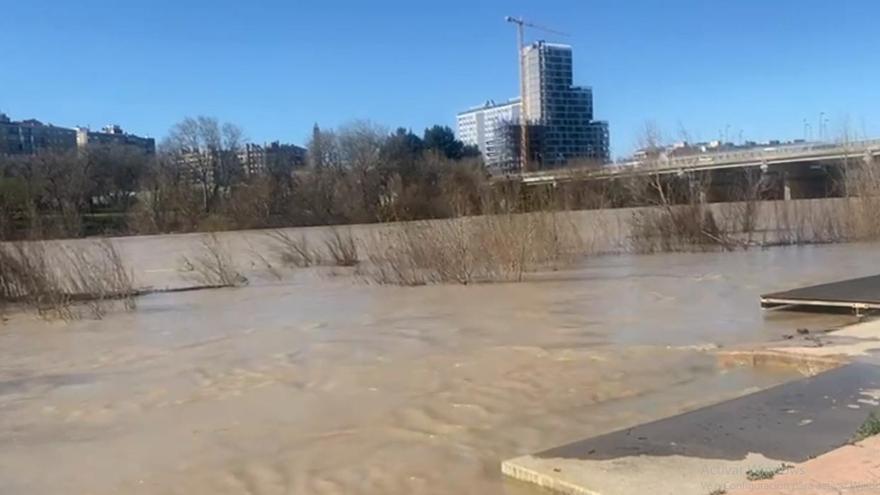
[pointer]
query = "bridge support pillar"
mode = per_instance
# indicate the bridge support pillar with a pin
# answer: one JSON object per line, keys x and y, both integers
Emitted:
{"x": 800, "y": 187}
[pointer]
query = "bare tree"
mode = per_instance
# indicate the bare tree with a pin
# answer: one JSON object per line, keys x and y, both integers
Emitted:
{"x": 323, "y": 149}
{"x": 116, "y": 171}
{"x": 651, "y": 137}
{"x": 747, "y": 190}
{"x": 209, "y": 151}
{"x": 360, "y": 144}
{"x": 678, "y": 219}
{"x": 20, "y": 187}
{"x": 168, "y": 200}
{"x": 68, "y": 188}
{"x": 344, "y": 182}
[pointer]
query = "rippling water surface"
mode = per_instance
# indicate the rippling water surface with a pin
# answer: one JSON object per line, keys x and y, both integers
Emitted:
{"x": 321, "y": 385}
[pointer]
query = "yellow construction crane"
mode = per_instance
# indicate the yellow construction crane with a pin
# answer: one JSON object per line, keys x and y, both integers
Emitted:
{"x": 523, "y": 113}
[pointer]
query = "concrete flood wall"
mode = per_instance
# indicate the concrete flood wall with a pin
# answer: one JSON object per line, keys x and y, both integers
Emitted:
{"x": 801, "y": 221}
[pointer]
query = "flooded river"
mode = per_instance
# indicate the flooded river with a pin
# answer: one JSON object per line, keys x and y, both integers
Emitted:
{"x": 317, "y": 385}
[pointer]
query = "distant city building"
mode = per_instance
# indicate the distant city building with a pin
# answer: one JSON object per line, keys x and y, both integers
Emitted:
{"x": 252, "y": 158}
{"x": 113, "y": 135}
{"x": 484, "y": 127}
{"x": 28, "y": 137}
{"x": 256, "y": 159}
{"x": 285, "y": 157}
{"x": 559, "y": 116}
{"x": 562, "y": 111}
{"x": 199, "y": 165}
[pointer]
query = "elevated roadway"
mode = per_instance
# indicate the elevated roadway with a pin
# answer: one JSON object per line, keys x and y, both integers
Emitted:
{"x": 800, "y": 155}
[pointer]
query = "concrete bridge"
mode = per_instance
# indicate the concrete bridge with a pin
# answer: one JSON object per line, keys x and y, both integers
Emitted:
{"x": 805, "y": 170}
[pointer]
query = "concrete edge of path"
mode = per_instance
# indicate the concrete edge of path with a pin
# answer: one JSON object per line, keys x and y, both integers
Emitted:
{"x": 812, "y": 353}
{"x": 762, "y": 357}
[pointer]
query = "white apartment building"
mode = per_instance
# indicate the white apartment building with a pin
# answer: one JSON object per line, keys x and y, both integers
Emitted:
{"x": 483, "y": 126}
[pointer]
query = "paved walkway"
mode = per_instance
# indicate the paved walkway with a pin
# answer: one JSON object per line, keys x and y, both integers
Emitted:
{"x": 716, "y": 447}
{"x": 853, "y": 469}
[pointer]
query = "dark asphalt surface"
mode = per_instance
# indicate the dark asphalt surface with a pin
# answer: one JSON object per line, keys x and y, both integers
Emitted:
{"x": 791, "y": 422}
{"x": 859, "y": 290}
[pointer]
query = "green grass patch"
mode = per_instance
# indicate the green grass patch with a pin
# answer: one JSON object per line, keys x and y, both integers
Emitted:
{"x": 765, "y": 474}
{"x": 869, "y": 428}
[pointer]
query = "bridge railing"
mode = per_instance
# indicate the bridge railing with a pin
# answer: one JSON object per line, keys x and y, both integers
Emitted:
{"x": 718, "y": 158}
{"x": 785, "y": 152}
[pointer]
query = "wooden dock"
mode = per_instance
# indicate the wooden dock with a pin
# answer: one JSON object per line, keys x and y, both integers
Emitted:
{"x": 858, "y": 294}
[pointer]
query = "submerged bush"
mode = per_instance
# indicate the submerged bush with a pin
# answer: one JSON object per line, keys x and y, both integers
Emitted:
{"x": 676, "y": 228}
{"x": 213, "y": 266}
{"x": 292, "y": 250}
{"x": 341, "y": 247}
{"x": 57, "y": 281}
{"x": 470, "y": 250}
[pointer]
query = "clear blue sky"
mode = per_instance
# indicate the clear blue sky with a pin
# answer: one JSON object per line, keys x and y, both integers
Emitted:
{"x": 276, "y": 67}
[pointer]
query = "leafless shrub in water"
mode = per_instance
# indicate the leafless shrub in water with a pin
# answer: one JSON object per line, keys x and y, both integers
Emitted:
{"x": 213, "y": 265}
{"x": 470, "y": 250}
{"x": 294, "y": 251}
{"x": 812, "y": 222}
{"x": 57, "y": 282}
{"x": 97, "y": 275}
{"x": 341, "y": 247}
{"x": 862, "y": 185}
{"x": 676, "y": 228}
{"x": 739, "y": 217}
{"x": 27, "y": 278}
{"x": 677, "y": 218}
{"x": 260, "y": 260}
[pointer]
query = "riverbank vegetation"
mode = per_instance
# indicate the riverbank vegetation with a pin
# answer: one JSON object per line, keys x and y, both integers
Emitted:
{"x": 212, "y": 266}
{"x": 490, "y": 248}
{"x": 448, "y": 222}
{"x": 358, "y": 173}
{"x": 62, "y": 280}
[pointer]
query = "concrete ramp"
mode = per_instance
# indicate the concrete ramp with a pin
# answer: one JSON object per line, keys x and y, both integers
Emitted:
{"x": 858, "y": 294}
{"x": 716, "y": 447}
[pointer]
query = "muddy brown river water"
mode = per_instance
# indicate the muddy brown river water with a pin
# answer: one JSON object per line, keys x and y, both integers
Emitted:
{"x": 323, "y": 385}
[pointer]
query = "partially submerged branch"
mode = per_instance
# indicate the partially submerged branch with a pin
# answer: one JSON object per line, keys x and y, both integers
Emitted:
{"x": 57, "y": 281}
{"x": 213, "y": 265}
